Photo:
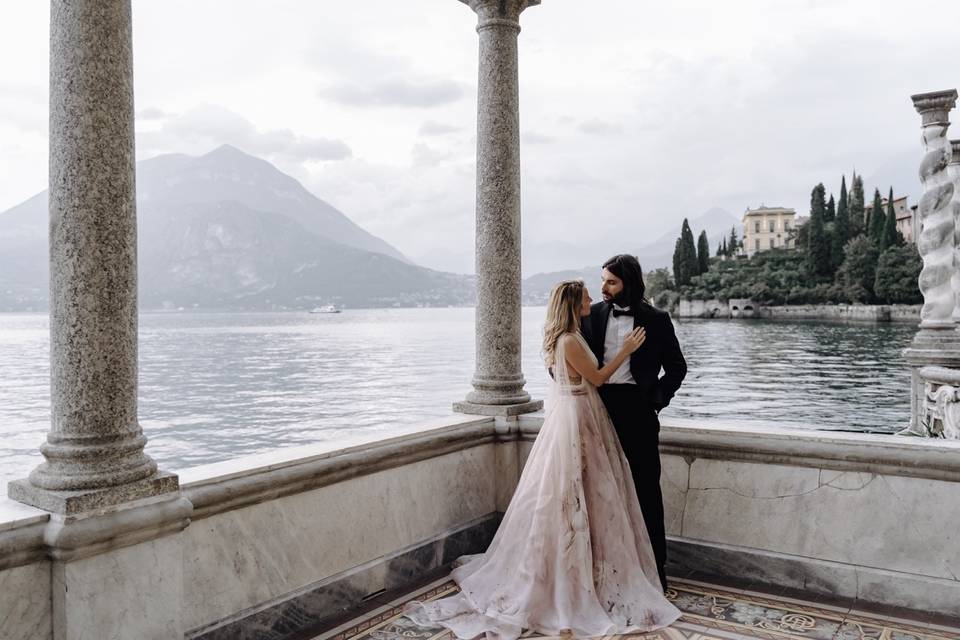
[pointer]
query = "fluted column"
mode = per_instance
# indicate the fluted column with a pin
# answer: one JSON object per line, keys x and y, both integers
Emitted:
{"x": 498, "y": 380}
{"x": 935, "y": 349}
{"x": 94, "y": 449}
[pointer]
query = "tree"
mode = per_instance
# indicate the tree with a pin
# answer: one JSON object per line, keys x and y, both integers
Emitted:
{"x": 658, "y": 281}
{"x": 891, "y": 236}
{"x": 733, "y": 244}
{"x": 722, "y": 247}
{"x": 876, "y": 220}
{"x": 855, "y": 213}
{"x": 685, "y": 264}
{"x": 857, "y": 274}
{"x": 830, "y": 211}
{"x": 898, "y": 271}
{"x": 841, "y": 227}
{"x": 703, "y": 253}
{"x": 818, "y": 242}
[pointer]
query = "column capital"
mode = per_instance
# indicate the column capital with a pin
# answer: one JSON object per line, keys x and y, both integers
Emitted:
{"x": 493, "y": 11}
{"x": 935, "y": 105}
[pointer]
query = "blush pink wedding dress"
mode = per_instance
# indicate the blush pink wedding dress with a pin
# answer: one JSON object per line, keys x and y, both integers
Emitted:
{"x": 572, "y": 554}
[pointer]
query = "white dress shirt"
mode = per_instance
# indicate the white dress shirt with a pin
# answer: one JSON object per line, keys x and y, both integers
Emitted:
{"x": 617, "y": 329}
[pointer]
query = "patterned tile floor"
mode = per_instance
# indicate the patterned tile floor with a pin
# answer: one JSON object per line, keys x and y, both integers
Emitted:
{"x": 709, "y": 613}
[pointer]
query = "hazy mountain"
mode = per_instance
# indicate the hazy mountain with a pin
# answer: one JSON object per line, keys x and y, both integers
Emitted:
{"x": 900, "y": 171}
{"x": 653, "y": 255}
{"x": 227, "y": 230}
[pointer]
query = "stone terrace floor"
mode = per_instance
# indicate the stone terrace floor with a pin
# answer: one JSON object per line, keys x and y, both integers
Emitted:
{"x": 710, "y": 612}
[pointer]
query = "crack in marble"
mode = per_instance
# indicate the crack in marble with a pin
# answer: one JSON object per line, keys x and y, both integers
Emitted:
{"x": 779, "y": 496}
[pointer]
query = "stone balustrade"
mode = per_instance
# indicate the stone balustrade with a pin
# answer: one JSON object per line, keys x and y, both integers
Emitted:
{"x": 292, "y": 537}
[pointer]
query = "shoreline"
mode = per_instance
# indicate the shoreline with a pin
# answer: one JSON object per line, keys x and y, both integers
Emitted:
{"x": 745, "y": 309}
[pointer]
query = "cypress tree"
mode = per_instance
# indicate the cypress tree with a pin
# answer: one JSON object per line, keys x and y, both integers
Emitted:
{"x": 685, "y": 263}
{"x": 831, "y": 210}
{"x": 876, "y": 221}
{"x": 891, "y": 236}
{"x": 855, "y": 213}
{"x": 733, "y": 244}
{"x": 721, "y": 248}
{"x": 818, "y": 243}
{"x": 841, "y": 227}
{"x": 678, "y": 264}
{"x": 703, "y": 253}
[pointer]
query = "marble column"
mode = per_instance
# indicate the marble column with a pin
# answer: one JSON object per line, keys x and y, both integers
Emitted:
{"x": 498, "y": 380}
{"x": 936, "y": 345}
{"x": 94, "y": 450}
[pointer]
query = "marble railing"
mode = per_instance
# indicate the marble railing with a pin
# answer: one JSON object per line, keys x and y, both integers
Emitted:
{"x": 283, "y": 540}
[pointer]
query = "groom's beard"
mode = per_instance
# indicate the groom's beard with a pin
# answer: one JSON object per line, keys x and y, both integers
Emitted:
{"x": 620, "y": 300}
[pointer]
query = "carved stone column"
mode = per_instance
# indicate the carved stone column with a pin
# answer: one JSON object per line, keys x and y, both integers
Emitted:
{"x": 498, "y": 380}
{"x": 936, "y": 344}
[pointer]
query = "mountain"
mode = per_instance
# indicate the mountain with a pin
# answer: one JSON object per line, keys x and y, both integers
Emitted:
{"x": 226, "y": 173}
{"x": 900, "y": 171}
{"x": 653, "y": 255}
{"x": 229, "y": 231}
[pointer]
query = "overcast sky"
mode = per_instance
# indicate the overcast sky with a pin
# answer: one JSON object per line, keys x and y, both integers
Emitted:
{"x": 634, "y": 113}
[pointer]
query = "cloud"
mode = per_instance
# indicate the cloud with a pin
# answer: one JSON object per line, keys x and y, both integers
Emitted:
{"x": 395, "y": 92}
{"x": 152, "y": 113}
{"x": 426, "y": 156}
{"x": 203, "y": 127}
{"x": 433, "y": 128}
{"x": 599, "y": 127}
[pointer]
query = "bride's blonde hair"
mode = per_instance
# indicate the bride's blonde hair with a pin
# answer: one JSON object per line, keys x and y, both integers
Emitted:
{"x": 563, "y": 316}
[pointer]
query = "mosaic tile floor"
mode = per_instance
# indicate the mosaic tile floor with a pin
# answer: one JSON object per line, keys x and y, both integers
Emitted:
{"x": 709, "y": 613}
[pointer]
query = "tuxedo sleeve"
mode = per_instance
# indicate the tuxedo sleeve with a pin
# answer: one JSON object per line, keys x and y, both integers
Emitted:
{"x": 673, "y": 363}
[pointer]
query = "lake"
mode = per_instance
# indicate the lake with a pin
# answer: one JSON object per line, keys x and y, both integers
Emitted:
{"x": 216, "y": 386}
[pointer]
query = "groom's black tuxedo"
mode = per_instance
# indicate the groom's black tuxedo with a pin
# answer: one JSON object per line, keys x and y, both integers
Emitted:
{"x": 660, "y": 351}
{"x": 633, "y": 408}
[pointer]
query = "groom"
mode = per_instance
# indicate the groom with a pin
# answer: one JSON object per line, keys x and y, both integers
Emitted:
{"x": 636, "y": 392}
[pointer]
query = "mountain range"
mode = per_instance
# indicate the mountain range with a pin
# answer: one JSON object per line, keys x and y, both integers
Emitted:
{"x": 227, "y": 230}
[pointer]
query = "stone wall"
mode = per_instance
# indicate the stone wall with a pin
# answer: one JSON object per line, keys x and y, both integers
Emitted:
{"x": 746, "y": 309}
{"x": 853, "y": 515}
{"x": 286, "y": 539}
{"x": 855, "y": 312}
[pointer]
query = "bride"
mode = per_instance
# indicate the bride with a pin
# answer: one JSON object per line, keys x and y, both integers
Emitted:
{"x": 572, "y": 555}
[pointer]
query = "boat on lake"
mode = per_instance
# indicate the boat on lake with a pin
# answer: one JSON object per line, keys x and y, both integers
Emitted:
{"x": 327, "y": 308}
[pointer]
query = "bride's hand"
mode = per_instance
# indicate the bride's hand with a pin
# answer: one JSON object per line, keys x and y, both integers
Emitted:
{"x": 634, "y": 339}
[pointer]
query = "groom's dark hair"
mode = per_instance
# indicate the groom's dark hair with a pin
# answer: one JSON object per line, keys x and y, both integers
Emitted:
{"x": 627, "y": 268}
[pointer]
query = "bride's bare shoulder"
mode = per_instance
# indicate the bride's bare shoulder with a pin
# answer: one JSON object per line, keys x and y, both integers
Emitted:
{"x": 567, "y": 340}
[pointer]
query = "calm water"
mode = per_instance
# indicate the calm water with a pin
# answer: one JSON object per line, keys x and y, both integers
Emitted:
{"x": 215, "y": 386}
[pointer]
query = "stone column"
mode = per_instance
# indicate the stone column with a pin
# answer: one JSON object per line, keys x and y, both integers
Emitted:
{"x": 114, "y": 535}
{"x": 94, "y": 449}
{"x": 936, "y": 345}
{"x": 498, "y": 380}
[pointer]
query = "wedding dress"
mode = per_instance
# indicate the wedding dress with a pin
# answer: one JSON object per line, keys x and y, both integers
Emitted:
{"x": 572, "y": 553}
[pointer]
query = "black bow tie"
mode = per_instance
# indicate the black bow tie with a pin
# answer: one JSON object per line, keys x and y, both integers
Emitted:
{"x": 622, "y": 312}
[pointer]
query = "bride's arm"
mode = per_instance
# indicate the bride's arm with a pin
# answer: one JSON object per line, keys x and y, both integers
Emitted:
{"x": 578, "y": 358}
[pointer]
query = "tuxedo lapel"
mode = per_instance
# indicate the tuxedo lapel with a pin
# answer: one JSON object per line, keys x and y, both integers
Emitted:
{"x": 600, "y": 321}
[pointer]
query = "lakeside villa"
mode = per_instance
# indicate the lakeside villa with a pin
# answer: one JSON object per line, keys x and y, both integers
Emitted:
{"x": 773, "y": 533}
{"x": 767, "y": 228}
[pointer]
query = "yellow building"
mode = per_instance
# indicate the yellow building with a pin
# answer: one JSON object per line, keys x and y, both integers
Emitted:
{"x": 905, "y": 216}
{"x": 767, "y": 228}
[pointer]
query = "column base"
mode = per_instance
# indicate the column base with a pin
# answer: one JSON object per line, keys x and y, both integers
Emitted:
{"x": 80, "y": 501}
{"x": 497, "y": 410}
